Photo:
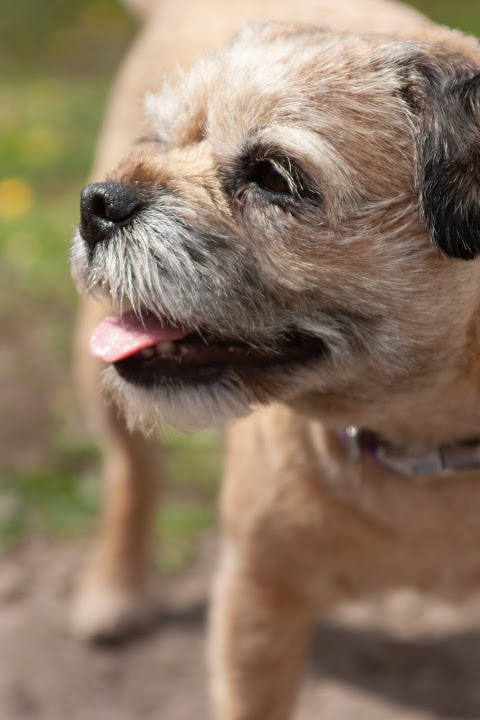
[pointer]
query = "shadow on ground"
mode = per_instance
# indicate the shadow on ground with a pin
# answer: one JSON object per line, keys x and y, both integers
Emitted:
{"x": 439, "y": 675}
{"x": 367, "y": 669}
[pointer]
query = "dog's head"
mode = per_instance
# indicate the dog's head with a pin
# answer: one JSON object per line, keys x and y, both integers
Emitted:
{"x": 294, "y": 226}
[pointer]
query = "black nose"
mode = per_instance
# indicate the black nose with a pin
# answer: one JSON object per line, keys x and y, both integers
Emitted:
{"x": 104, "y": 207}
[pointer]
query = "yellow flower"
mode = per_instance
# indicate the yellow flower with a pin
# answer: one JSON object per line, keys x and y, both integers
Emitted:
{"x": 16, "y": 198}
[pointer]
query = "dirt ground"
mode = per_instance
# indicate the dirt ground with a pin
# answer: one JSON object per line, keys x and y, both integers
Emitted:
{"x": 403, "y": 657}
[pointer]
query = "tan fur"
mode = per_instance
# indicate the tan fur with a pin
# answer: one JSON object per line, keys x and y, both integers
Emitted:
{"x": 305, "y": 526}
{"x": 175, "y": 34}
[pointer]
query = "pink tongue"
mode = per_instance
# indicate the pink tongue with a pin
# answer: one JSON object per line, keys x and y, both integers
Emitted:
{"x": 119, "y": 337}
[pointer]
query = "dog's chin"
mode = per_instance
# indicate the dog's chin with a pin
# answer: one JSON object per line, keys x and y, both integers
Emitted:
{"x": 185, "y": 406}
{"x": 195, "y": 380}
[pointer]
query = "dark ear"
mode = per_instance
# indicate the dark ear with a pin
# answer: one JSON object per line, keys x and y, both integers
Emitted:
{"x": 444, "y": 93}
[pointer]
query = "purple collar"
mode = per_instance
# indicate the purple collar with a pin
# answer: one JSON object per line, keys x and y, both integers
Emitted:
{"x": 443, "y": 460}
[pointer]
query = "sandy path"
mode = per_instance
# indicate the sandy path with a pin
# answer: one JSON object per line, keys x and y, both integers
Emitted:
{"x": 404, "y": 658}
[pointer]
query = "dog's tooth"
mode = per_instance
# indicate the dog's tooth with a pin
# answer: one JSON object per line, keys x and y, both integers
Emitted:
{"x": 147, "y": 352}
{"x": 166, "y": 347}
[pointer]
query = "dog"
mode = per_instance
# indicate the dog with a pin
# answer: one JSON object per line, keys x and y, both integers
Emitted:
{"x": 290, "y": 245}
{"x": 113, "y": 597}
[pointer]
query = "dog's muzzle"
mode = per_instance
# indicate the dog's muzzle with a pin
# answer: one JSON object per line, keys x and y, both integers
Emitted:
{"x": 104, "y": 207}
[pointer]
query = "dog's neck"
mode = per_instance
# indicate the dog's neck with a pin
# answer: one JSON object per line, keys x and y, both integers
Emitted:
{"x": 436, "y": 423}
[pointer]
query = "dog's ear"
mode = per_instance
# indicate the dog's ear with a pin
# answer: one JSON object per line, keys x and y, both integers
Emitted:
{"x": 444, "y": 93}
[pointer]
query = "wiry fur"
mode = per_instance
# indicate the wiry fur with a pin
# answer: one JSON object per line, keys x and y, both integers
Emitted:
{"x": 211, "y": 251}
{"x": 374, "y": 133}
{"x": 199, "y": 408}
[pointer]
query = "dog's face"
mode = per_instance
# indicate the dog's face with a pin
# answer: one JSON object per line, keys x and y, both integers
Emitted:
{"x": 294, "y": 226}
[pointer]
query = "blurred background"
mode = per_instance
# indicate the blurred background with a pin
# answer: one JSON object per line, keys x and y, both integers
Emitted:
{"x": 57, "y": 61}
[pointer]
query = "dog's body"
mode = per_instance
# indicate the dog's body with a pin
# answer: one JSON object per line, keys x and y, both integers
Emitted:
{"x": 288, "y": 199}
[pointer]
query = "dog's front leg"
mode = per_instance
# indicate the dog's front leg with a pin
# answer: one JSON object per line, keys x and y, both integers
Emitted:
{"x": 112, "y": 598}
{"x": 259, "y": 634}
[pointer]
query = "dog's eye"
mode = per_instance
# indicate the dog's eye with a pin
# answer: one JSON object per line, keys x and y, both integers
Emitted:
{"x": 266, "y": 176}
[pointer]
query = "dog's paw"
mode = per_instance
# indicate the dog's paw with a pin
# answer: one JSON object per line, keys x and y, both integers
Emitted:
{"x": 106, "y": 613}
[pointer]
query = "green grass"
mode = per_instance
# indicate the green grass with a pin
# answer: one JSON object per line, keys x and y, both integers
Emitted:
{"x": 44, "y": 503}
{"x": 48, "y": 128}
{"x": 463, "y": 14}
{"x": 60, "y": 64}
{"x": 64, "y": 502}
{"x": 179, "y": 525}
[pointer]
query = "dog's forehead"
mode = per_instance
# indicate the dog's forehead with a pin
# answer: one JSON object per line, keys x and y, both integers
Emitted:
{"x": 272, "y": 74}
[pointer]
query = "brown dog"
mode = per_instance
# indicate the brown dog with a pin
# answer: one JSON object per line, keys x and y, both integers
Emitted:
{"x": 112, "y": 598}
{"x": 292, "y": 240}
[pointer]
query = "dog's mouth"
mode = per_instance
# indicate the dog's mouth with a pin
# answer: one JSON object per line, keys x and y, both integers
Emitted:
{"x": 148, "y": 352}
